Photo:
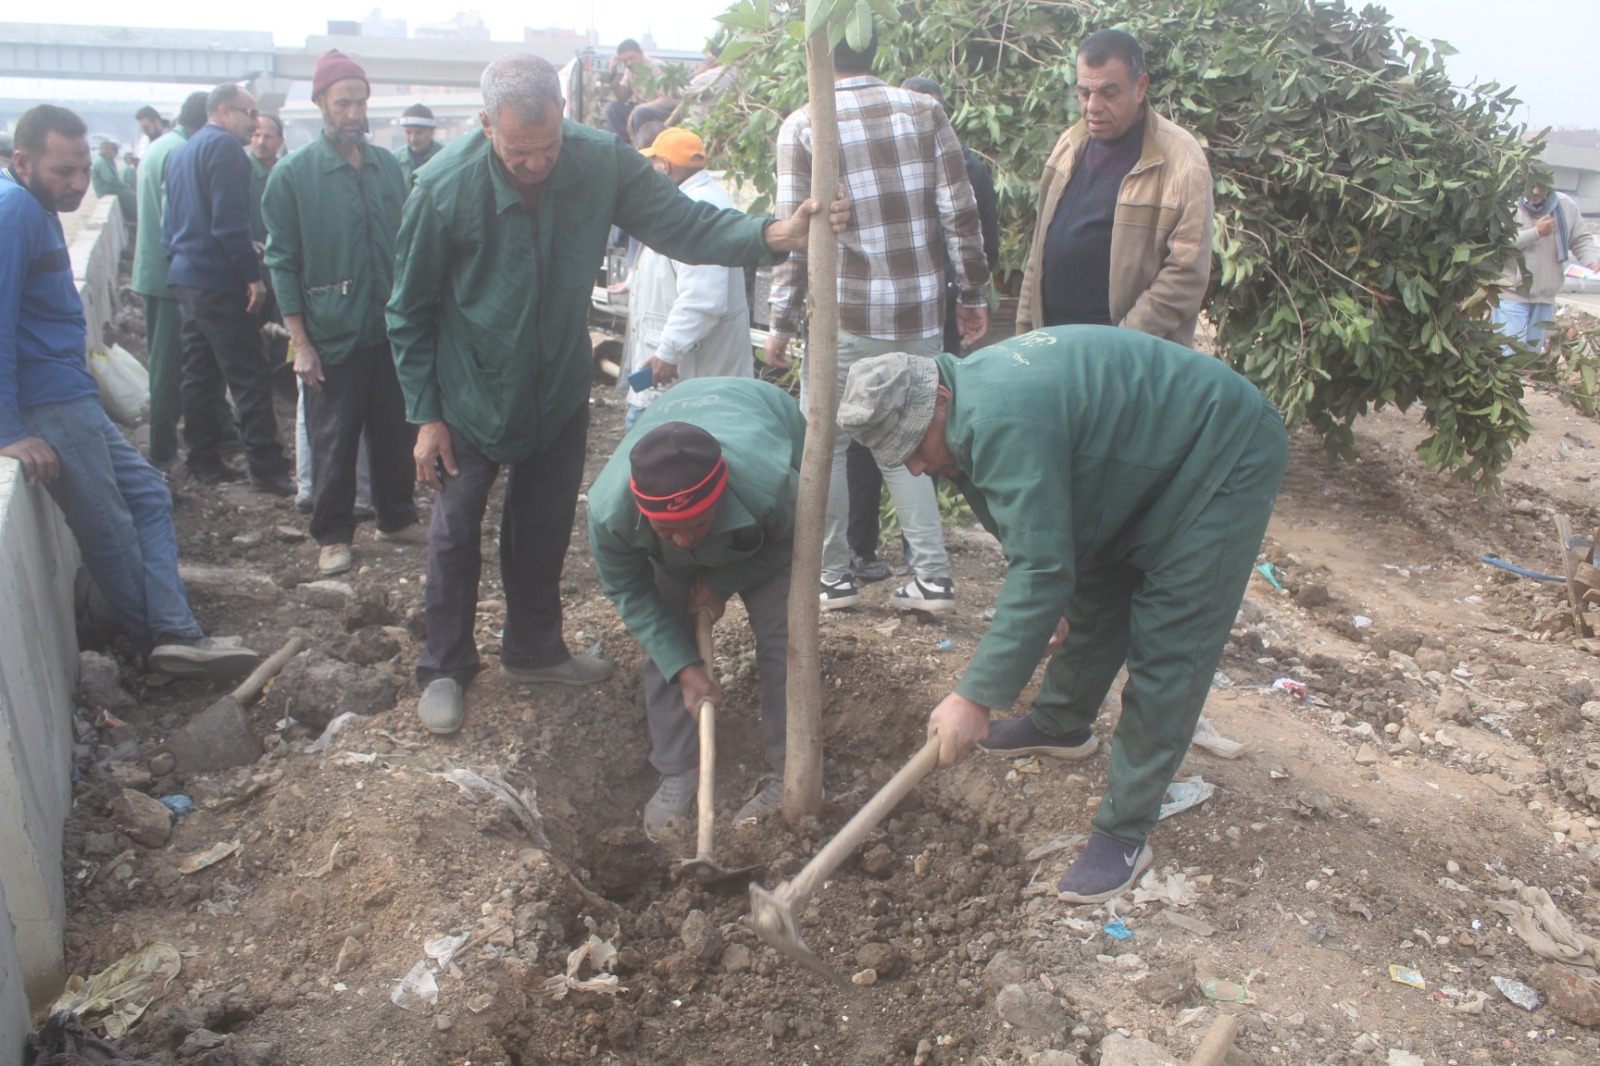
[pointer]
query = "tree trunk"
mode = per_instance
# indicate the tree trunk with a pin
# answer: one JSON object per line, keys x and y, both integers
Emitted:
{"x": 802, "y": 777}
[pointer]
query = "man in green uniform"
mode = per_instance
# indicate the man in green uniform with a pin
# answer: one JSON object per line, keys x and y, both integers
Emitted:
{"x": 332, "y": 210}
{"x": 266, "y": 144}
{"x": 697, "y": 505}
{"x": 161, "y": 314}
{"x": 108, "y": 181}
{"x": 1129, "y": 480}
{"x": 499, "y": 244}
{"x": 129, "y": 172}
{"x": 418, "y": 125}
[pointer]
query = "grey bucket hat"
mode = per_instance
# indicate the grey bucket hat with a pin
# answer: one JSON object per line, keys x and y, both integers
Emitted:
{"x": 888, "y": 404}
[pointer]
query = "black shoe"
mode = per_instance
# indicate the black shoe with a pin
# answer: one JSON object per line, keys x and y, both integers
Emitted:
{"x": 222, "y": 475}
{"x": 869, "y": 570}
{"x": 1019, "y": 736}
{"x": 837, "y": 594}
{"x": 273, "y": 484}
{"x": 1105, "y": 868}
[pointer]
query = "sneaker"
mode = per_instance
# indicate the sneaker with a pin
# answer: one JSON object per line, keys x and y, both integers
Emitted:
{"x": 674, "y": 798}
{"x": 442, "y": 707}
{"x": 578, "y": 670}
{"x": 415, "y": 533}
{"x": 1019, "y": 736}
{"x": 763, "y": 803}
{"x": 222, "y": 475}
{"x": 841, "y": 593}
{"x": 935, "y": 594}
{"x": 303, "y": 505}
{"x": 219, "y": 660}
{"x": 274, "y": 484}
{"x": 1105, "y": 868}
{"x": 334, "y": 559}
{"x": 869, "y": 570}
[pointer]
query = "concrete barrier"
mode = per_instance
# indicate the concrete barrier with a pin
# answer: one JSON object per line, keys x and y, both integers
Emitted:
{"x": 96, "y": 252}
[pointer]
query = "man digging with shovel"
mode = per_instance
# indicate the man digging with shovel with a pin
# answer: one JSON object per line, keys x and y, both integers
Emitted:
{"x": 696, "y": 505}
{"x": 1129, "y": 480}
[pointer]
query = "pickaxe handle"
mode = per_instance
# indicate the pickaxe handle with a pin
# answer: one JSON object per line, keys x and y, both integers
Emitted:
{"x": 856, "y": 829}
{"x": 251, "y": 687}
{"x": 707, "y": 796}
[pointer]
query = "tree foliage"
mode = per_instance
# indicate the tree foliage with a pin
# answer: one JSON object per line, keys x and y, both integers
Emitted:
{"x": 1363, "y": 202}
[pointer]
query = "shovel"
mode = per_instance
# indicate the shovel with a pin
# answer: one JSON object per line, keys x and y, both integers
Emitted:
{"x": 703, "y": 868}
{"x": 219, "y": 737}
{"x": 774, "y": 914}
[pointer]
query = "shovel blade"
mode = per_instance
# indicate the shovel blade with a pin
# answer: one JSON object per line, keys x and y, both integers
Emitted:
{"x": 775, "y": 922}
{"x": 707, "y": 871}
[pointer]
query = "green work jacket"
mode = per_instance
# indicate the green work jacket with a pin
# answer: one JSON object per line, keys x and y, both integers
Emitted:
{"x": 108, "y": 182}
{"x": 330, "y": 243}
{"x": 403, "y": 156}
{"x": 1083, "y": 446}
{"x": 259, "y": 173}
{"x": 489, "y": 317}
{"x": 149, "y": 256}
{"x": 761, "y": 432}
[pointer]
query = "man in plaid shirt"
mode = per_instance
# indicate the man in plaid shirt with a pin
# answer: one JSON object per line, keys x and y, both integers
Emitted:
{"x": 911, "y": 206}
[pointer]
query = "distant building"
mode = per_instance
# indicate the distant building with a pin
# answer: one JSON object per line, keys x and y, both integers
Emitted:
{"x": 465, "y": 26}
{"x": 375, "y": 25}
{"x": 1576, "y": 172}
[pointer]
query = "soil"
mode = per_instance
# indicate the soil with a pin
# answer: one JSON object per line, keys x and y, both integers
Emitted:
{"x": 1442, "y": 758}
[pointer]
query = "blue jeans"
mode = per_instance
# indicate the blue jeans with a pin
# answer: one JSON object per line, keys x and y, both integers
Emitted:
{"x": 119, "y": 509}
{"x": 1524, "y": 321}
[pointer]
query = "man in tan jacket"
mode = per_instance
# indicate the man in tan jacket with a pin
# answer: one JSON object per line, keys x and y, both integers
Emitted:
{"x": 1123, "y": 236}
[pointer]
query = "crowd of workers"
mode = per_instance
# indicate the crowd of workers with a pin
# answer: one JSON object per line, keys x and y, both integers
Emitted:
{"x": 435, "y": 300}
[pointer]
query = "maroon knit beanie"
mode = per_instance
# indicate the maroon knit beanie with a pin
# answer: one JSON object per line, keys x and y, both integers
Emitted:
{"x": 333, "y": 67}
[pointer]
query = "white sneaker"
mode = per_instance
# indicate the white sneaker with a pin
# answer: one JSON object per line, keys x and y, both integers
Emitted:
{"x": 935, "y": 595}
{"x": 674, "y": 798}
{"x": 763, "y": 802}
{"x": 841, "y": 593}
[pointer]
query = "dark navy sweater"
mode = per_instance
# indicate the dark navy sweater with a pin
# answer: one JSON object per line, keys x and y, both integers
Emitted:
{"x": 206, "y": 227}
{"x": 42, "y": 329}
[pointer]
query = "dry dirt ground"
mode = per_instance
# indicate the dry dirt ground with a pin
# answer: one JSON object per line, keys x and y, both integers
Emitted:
{"x": 1439, "y": 775}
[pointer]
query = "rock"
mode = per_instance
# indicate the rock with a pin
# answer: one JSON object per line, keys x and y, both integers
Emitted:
{"x": 334, "y": 595}
{"x": 1053, "y": 1057}
{"x": 1581, "y": 693}
{"x": 701, "y": 937}
{"x": 100, "y": 671}
{"x": 1408, "y": 739}
{"x": 1571, "y": 996}
{"x": 1005, "y": 969}
{"x": 1031, "y": 1010}
{"x": 1435, "y": 660}
{"x": 1367, "y": 755}
{"x": 736, "y": 958}
{"x": 218, "y": 738}
{"x": 144, "y": 819}
{"x": 880, "y": 862}
{"x": 369, "y": 646}
{"x": 882, "y": 958}
{"x": 352, "y": 953}
{"x": 100, "y": 845}
{"x": 1590, "y": 711}
{"x": 163, "y": 763}
{"x": 1172, "y": 984}
{"x": 865, "y": 977}
{"x": 323, "y": 688}
{"x": 369, "y": 607}
{"x": 199, "y": 1041}
{"x": 230, "y": 581}
{"x": 258, "y": 1053}
{"x": 1118, "y": 1050}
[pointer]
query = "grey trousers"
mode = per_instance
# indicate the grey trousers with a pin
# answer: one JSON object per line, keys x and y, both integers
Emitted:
{"x": 674, "y": 735}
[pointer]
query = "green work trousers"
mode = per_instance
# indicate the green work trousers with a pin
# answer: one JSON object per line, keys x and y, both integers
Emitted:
{"x": 1169, "y": 623}
{"x": 165, "y": 348}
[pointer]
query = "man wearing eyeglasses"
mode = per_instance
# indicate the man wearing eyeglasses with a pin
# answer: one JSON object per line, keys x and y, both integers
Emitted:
{"x": 216, "y": 276}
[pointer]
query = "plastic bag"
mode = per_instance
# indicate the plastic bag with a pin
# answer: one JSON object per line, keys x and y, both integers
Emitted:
{"x": 124, "y": 384}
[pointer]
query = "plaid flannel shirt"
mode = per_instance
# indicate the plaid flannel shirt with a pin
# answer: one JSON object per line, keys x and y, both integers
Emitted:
{"x": 911, "y": 206}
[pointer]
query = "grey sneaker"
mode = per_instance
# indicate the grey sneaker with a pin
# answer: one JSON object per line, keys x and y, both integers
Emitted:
{"x": 443, "y": 706}
{"x": 578, "y": 670}
{"x": 674, "y": 798}
{"x": 763, "y": 802}
{"x": 219, "y": 660}
{"x": 869, "y": 571}
{"x": 334, "y": 559}
{"x": 1105, "y": 868}
{"x": 1019, "y": 736}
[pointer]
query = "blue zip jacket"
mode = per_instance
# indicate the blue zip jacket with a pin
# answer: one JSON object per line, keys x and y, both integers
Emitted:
{"x": 206, "y": 228}
{"x": 42, "y": 329}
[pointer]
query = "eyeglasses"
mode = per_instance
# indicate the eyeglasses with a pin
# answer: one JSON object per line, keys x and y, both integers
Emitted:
{"x": 252, "y": 112}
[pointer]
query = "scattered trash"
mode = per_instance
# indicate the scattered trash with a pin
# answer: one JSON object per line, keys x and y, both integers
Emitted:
{"x": 444, "y": 948}
{"x": 944, "y": 645}
{"x": 1192, "y": 925}
{"x": 178, "y": 803}
{"x": 1208, "y": 739}
{"x": 1545, "y": 930}
{"x": 1361, "y": 621}
{"x": 1270, "y": 572}
{"x": 1219, "y": 990}
{"x": 1518, "y": 993}
{"x": 1405, "y": 975}
{"x": 417, "y": 990}
{"x": 887, "y": 627}
{"x": 1060, "y": 843}
{"x": 1297, "y": 689}
{"x": 321, "y": 743}
{"x": 1028, "y": 764}
{"x": 62, "y": 1039}
{"x": 123, "y": 990}
{"x": 1174, "y": 890}
{"x": 326, "y": 868}
{"x": 209, "y": 857}
{"x": 1117, "y": 930}
{"x": 1181, "y": 795}
{"x": 1502, "y": 564}
{"x": 1401, "y": 1057}
{"x": 523, "y": 806}
{"x": 601, "y": 955}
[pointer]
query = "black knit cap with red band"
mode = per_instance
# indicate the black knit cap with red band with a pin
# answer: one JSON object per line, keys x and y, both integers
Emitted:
{"x": 678, "y": 472}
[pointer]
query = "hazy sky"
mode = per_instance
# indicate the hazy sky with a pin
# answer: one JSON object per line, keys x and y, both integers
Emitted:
{"x": 1545, "y": 47}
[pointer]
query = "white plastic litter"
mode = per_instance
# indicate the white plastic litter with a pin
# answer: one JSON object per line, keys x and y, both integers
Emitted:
{"x": 523, "y": 806}
{"x": 1208, "y": 739}
{"x": 1181, "y": 795}
{"x": 417, "y": 990}
{"x": 1518, "y": 993}
{"x": 444, "y": 948}
{"x": 601, "y": 955}
{"x": 124, "y": 384}
{"x": 321, "y": 743}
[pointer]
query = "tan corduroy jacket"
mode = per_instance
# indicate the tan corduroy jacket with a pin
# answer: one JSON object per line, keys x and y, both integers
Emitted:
{"x": 1161, "y": 240}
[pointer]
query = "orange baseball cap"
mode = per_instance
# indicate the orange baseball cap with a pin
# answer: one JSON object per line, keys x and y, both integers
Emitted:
{"x": 677, "y": 146}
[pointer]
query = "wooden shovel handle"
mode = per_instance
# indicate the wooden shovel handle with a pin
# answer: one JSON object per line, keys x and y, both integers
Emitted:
{"x": 866, "y": 819}
{"x": 1216, "y": 1044}
{"x": 706, "y": 798}
{"x": 251, "y": 687}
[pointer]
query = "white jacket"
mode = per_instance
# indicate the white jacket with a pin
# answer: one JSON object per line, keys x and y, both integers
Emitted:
{"x": 695, "y": 317}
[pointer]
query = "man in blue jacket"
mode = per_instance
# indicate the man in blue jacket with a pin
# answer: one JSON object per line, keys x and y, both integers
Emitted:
{"x": 216, "y": 276}
{"x": 51, "y": 421}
